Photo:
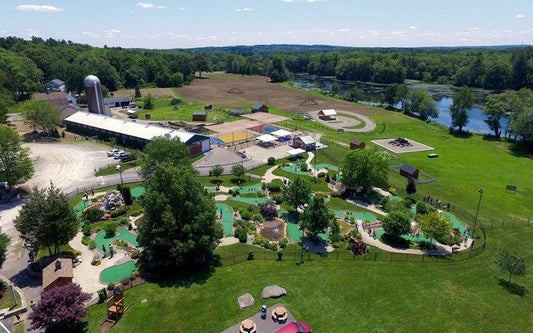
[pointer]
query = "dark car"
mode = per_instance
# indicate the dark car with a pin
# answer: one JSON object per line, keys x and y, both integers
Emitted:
{"x": 296, "y": 327}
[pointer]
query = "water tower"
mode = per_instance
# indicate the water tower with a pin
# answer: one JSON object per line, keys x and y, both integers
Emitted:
{"x": 93, "y": 90}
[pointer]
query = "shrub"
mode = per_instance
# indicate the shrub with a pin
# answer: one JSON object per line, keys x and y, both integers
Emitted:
{"x": 450, "y": 239}
{"x": 268, "y": 210}
{"x": 175, "y": 101}
{"x": 126, "y": 194}
{"x": 125, "y": 282}
{"x": 321, "y": 175}
{"x": 110, "y": 229}
{"x": 273, "y": 187}
{"x": 392, "y": 190}
{"x": 278, "y": 199}
{"x": 241, "y": 235}
{"x": 271, "y": 161}
{"x": 327, "y": 179}
{"x": 121, "y": 243}
{"x": 250, "y": 255}
{"x": 92, "y": 244}
{"x": 136, "y": 213}
{"x": 260, "y": 194}
{"x": 304, "y": 167}
{"x": 111, "y": 286}
{"x": 336, "y": 194}
{"x": 86, "y": 229}
{"x": 119, "y": 211}
{"x": 123, "y": 221}
{"x": 283, "y": 243}
{"x": 92, "y": 215}
{"x": 135, "y": 254}
{"x": 246, "y": 215}
{"x": 271, "y": 247}
{"x": 250, "y": 208}
{"x": 85, "y": 240}
{"x": 422, "y": 208}
{"x": 257, "y": 217}
{"x": 235, "y": 193}
{"x": 3, "y": 285}
{"x": 280, "y": 255}
{"x": 102, "y": 295}
{"x": 230, "y": 191}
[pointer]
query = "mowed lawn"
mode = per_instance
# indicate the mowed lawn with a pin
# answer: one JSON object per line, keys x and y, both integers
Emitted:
{"x": 343, "y": 296}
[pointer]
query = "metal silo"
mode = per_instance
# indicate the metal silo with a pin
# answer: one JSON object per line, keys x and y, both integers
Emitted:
{"x": 93, "y": 90}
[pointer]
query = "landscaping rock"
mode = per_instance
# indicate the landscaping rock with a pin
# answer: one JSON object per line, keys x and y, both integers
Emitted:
{"x": 273, "y": 292}
{"x": 245, "y": 301}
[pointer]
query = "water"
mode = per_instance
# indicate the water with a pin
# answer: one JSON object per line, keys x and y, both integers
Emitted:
{"x": 442, "y": 94}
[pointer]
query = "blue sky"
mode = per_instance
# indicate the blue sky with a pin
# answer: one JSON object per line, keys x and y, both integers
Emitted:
{"x": 192, "y": 23}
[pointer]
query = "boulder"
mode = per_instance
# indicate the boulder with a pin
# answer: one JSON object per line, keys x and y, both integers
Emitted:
{"x": 273, "y": 292}
{"x": 245, "y": 301}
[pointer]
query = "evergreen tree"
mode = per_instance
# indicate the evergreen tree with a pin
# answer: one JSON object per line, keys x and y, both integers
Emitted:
{"x": 411, "y": 186}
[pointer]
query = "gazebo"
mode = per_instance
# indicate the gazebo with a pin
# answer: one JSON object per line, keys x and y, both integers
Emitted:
{"x": 282, "y": 135}
{"x": 266, "y": 140}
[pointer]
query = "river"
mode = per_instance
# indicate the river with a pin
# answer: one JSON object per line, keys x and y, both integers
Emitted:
{"x": 442, "y": 94}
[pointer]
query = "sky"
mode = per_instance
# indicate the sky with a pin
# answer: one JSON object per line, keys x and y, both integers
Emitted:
{"x": 193, "y": 23}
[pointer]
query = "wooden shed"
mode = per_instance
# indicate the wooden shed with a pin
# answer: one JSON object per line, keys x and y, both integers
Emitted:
{"x": 357, "y": 144}
{"x": 306, "y": 143}
{"x": 409, "y": 171}
{"x": 199, "y": 116}
{"x": 259, "y": 107}
{"x": 328, "y": 114}
{"x": 57, "y": 274}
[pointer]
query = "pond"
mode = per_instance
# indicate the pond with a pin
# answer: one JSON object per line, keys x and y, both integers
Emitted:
{"x": 442, "y": 94}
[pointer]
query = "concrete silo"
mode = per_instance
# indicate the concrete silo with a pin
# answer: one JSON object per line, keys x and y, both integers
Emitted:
{"x": 93, "y": 90}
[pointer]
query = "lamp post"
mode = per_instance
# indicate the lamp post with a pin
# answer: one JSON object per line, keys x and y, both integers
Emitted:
{"x": 480, "y": 190}
{"x": 119, "y": 169}
{"x": 302, "y": 243}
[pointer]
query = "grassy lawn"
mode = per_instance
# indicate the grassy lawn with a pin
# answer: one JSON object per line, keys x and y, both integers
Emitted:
{"x": 44, "y": 252}
{"x": 319, "y": 186}
{"x": 227, "y": 180}
{"x": 7, "y": 301}
{"x": 78, "y": 197}
{"x": 465, "y": 295}
{"x": 111, "y": 170}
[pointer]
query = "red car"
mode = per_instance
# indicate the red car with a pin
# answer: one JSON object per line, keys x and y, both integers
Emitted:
{"x": 296, "y": 327}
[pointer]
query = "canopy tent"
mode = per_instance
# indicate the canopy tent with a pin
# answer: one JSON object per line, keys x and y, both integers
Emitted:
{"x": 281, "y": 133}
{"x": 328, "y": 112}
{"x": 266, "y": 138}
{"x": 296, "y": 152}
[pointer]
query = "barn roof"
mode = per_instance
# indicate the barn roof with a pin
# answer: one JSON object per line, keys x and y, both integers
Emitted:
{"x": 329, "y": 112}
{"x": 409, "y": 169}
{"x": 257, "y": 106}
{"x": 59, "y": 268}
{"x": 306, "y": 139}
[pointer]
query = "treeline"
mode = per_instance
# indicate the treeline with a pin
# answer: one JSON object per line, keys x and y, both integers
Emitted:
{"x": 494, "y": 69}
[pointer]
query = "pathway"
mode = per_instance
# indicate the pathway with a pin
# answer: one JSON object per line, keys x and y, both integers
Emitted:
{"x": 370, "y": 207}
{"x": 270, "y": 176}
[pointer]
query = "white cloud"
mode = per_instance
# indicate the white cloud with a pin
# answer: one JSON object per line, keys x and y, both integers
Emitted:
{"x": 413, "y": 27}
{"x": 343, "y": 30}
{"x": 115, "y": 31}
{"x": 311, "y": 1}
{"x": 148, "y": 5}
{"x": 39, "y": 8}
{"x": 246, "y": 9}
{"x": 519, "y": 16}
{"x": 288, "y": 0}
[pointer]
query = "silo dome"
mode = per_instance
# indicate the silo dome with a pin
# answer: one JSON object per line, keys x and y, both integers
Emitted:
{"x": 91, "y": 79}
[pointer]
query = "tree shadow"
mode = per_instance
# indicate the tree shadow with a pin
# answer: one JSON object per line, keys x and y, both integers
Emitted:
{"x": 22, "y": 280}
{"x": 460, "y": 134}
{"x": 520, "y": 150}
{"x": 186, "y": 277}
{"x": 396, "y": 242}
{"x": 513, "y": 287}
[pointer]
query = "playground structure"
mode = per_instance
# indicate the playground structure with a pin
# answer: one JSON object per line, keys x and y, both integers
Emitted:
{"x": 115, "y": 306}
{"x": 357, "y": 246}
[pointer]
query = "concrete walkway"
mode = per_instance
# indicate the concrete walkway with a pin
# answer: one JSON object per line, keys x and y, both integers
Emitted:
{"x": 228, "y": 241}
{"x": 370, "y": 207}
{"x": 270, "y": 176}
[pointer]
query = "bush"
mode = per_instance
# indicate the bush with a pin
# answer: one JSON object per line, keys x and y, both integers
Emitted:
{"x": 260, "y": 194}
{"x": 92, "y": 215}
{"x": 422, "y": 208}
{"x": 246, "y": 215}
{"x": 92, "y": 244}
{"x": 327, "y": 179}
{"x": 271, "y": 161}
{"x": 271, "y": 247}
{"x": 136, "y": 213}
{"x": 273, "y": 187}
{"x": 110, "y": 229}
{"x": 111, "y": 286}
{"x": 283, "y": 243}
{"x": 102, "y": 295}
{"x": 321, "y": 175}
{"x": 85, "y": 240}
{"x": 392, "y": 190}
{"x": 135, "y": 254}
{"x": 125, "y": 282}
{"x": 235, "y": 193}
{"x": 280, "y": 255}
{"x": 119, "y": 211}
{"x": 304, "y": 167}
{"x": 450, "y": 239}
{"x": 336, "y": 194}
{"x": 250, "y": 255}
{"x": 268, "y": 211}
{"x": 123, "y": 221}
{"x": 86, "y": 229}
{"x": 121, "y": 243}
{"x": 3, "y": 285}
{"x": 241, "y": 235}
{"x": 230, "y": 191}
{"x": 278, "y": 199}
{"x": 175, "y": 101}
{"x": 257, "y": 217}
{"x": 126, "y": 194}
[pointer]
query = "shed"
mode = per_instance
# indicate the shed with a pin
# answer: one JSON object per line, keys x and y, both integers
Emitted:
{"x": 306, "y": 143}
{"x": 409, "y": 171}
{"x": 199, "y": 116}
{"x": 236, "y": 112}
{"x": 57, "y": 85}
{"x": 259, "y": 107}
{"x": 328, "y": 114}
{"x": 117, "y": 101}
{"x": 357, "y": 144}
{"x": 57, "y": 274}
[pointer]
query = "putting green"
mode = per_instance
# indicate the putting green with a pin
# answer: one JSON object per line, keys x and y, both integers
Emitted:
{"x": 124, "y": 234}
{"x": 78, "y": 209}
{"x": 327, "y": 166}
{"x": 137, "y": 191}
{"x": 421, "y": 238}
{"x": 368, "y": 217}
{"x": 294, "y": 233}
{"x": 117, "y": 273}
{"x": 293, "y": 168}
{"x": 227, "y": 218}
{"x": 248, "y": 188}
{"x": 252, "y": 201}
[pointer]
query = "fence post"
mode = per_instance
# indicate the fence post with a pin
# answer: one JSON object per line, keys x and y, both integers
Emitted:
{"x": 337, "y": 255}
{"x": 391, "y": 257}
{"x": 376, "y": 256}
{"x": 423, "y": 257}
{"x": 233, "y": 257}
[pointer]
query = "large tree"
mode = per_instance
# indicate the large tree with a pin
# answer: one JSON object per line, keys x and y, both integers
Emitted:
{"x": 42, "y": 114}
{"x": 298, "y": 192}
{"x": 60, "y": 309}
{"x": 434, "y": 226}
{"x": 512, "y": 263}
{"x": 15, "y": 163}
{"x": 364, "y": 169}
{"x": 420, "y": 103}
{"x": 163, "y": 149}
{"x": 463, "y": 100}
{"x": 316, "y": 217}
{"x": 238, "y": 171}
{"x": 180, "y": 226}
{"x": 397, "y": 223}
{"x": 494, "y": 110}
{"x": 46, "y": 220}
{"x": 216, "y": 171}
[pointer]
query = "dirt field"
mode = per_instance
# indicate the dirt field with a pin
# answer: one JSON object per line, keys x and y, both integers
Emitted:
{"x": 156, "y": 92}
{"x": 258, "y": 89}
{"x": 267, "y": 118}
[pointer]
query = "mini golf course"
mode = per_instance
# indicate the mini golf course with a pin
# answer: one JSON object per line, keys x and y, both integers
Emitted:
{"x": 293, "y": 232}
{"x": 117, "y": 273}
{"x": 227, "y": 218}
{"x": 326, "y": 166}
{"x": 248, "y": 188}
{"x": 293, "y": 168}
{"x": 252, "y": 201}
{"x": 123, "y": 234}
{"x": 136, "y": 192}
{"x": 367, "y": 217}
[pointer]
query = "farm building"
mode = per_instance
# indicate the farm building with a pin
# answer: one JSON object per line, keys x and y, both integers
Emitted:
{"x": 118, "y": 101}
{"x": 357, "y": 144}
{"x": 237, "y": 112}
{"x": 306, "y": 143}
{"x": 65, "y": 103}
{"x": 131, "y": 133}
{"x": 409, "y": 171}
{"x": 259, "y": 107}
{"x": 57, "y": 85}
{"x": 328, "y": 114}
{"x": 199, "y": 116}
{"x": 57, "y": 274}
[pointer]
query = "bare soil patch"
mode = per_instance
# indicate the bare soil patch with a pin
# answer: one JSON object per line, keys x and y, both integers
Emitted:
{"x": 156, "y": 92}
{"x": 259, "y": 89}
{"x": 267, "y": 118}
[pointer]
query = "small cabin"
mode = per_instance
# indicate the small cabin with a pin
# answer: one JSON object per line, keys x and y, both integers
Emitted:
{"x": 259, "y": 107}
{"x": 306, "y": 143}
{"x": 328, "y": 114}
{"x": 199, "y": 116}
{"x": 409, "y": 171}
{"x": 357, "y": 144}
{"x": 57, "y": 274}
{"x": 208, "y": 107}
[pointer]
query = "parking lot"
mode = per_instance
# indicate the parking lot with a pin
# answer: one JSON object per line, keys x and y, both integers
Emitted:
{"x": 258, "y": 153}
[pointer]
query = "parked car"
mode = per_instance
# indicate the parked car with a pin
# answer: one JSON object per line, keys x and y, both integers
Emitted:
{"x": 116, "y": 155}
{"x": 124, "y": 154}
{"x": 127, "y": 158}
{"x": 296, "y": 327}
{"x": 112, "y": 152}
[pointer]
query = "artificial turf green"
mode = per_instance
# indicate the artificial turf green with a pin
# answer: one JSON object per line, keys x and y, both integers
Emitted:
{"x": 117, "y": 273}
